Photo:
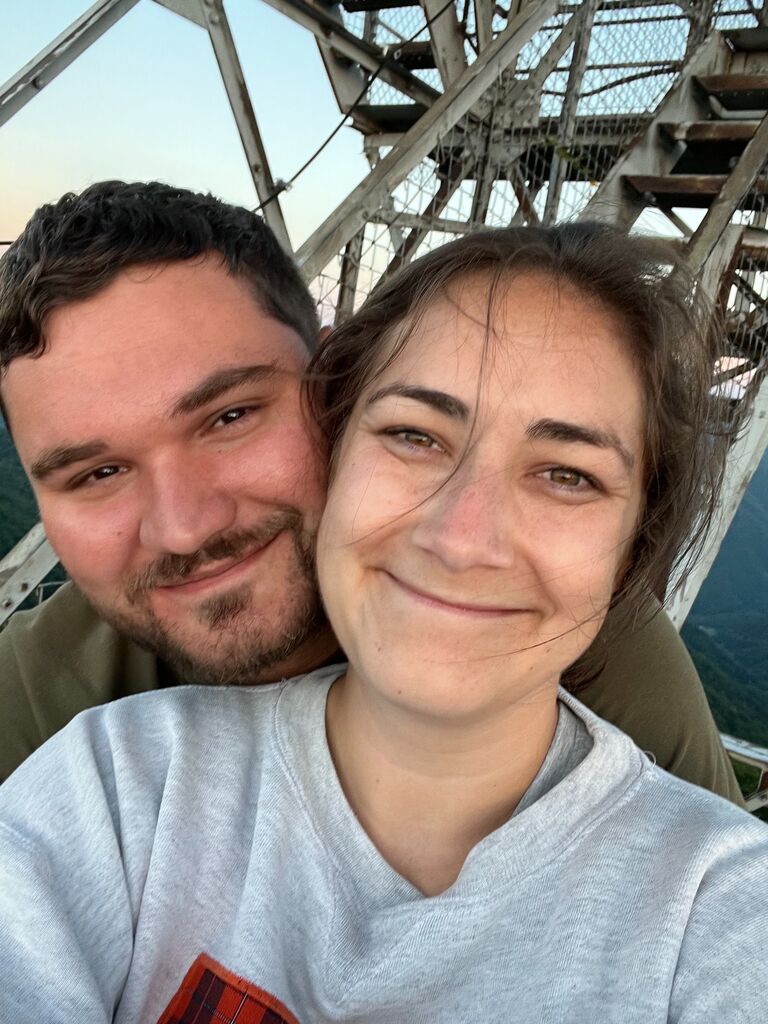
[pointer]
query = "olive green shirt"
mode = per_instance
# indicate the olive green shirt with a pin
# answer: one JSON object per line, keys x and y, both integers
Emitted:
{"x": 62, "y": 658}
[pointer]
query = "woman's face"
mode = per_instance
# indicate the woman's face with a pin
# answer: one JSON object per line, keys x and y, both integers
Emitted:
{"x": 484, "y": 499}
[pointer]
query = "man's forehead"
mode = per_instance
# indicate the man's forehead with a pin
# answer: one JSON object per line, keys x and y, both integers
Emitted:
{"x": 192, "y": 312}
{"x": 108, "y": 361}
{"x": 180, "y": 299}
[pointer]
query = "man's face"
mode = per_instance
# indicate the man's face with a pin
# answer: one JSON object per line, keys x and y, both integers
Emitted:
{"x": 177, "y": 476}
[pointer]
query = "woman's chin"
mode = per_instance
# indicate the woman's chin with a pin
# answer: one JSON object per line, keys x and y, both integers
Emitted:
{"x": 451, "y": 690}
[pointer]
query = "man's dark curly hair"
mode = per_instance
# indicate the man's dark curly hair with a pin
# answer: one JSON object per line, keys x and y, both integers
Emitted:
{"x": 73, "y": 248}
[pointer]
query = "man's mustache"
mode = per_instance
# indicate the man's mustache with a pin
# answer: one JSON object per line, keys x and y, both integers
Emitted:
{"x": 172, "y": 569}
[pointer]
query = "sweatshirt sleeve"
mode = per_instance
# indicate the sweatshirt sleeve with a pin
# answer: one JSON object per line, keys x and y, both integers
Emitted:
{"x": 66, "y": 921}
{"x": 724, "y": 956}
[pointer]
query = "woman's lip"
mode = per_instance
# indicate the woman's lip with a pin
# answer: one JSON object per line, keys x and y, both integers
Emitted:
{"x": 457, "y": 607}
{"x": 213, "y": 575}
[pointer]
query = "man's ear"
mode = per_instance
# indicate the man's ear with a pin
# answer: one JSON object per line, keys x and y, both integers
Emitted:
{"x": 323, "y": 335}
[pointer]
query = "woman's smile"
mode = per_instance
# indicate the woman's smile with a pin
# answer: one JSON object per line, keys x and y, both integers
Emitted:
{"x": 452, "y": 605}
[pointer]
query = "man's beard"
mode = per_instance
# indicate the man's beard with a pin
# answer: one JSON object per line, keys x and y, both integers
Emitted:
{"x": 237, "y": 651}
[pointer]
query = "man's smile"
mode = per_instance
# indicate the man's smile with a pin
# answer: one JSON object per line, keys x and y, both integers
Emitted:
{"x": 213, "y": 576}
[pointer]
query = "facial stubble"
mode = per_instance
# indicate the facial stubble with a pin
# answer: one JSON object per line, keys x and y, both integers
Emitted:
{"x": 237, "y": 647}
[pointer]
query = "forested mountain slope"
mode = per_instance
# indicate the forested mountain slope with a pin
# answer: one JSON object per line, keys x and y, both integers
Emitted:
{"x": 727, "y": 630}
{"x": 17, "y": 506}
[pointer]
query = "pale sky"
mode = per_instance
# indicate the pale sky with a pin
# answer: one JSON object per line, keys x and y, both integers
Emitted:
{"x": 146, "y": 101}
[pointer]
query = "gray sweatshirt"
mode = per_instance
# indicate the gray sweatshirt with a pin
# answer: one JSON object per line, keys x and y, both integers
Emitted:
{"x": 205, "y": 821}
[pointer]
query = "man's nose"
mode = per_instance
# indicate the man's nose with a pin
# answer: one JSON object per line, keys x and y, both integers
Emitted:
{"x": 468, "y": 522}
{"x": 183, "y": 509}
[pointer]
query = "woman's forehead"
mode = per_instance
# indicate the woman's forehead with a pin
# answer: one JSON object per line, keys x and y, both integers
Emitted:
{"x": 517, "y": 323}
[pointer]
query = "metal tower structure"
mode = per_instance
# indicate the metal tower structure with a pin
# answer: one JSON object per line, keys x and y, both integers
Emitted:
{"x": 476, "y": 112}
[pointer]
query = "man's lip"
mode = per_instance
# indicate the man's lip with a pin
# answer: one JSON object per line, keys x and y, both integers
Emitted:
{"x": 457, "y": 607}
{"x": 212, "y": 574}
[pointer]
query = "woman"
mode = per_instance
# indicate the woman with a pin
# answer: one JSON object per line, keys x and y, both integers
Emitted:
{"x": 437, "y": 832}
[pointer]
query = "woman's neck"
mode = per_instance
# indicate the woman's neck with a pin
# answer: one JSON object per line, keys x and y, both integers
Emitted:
{"x": 427, "y": 792}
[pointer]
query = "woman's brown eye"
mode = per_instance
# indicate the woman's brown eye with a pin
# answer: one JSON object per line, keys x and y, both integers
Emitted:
{"x": 419, "y": 440}
{"x": 565, "y": 477}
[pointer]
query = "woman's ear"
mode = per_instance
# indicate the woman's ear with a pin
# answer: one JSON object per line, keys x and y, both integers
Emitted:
{"x": 323, "y": 335}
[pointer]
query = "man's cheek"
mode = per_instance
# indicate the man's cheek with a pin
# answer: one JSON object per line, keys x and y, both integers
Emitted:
{"x": 92, "y": 555}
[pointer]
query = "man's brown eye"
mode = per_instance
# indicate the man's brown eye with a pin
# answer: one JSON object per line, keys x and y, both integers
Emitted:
{"x": 232, "y": 415}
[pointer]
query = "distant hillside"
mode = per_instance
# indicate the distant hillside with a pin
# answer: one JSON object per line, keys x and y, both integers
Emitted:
{"x": 727, "y": 630}
{"x": 18, "y": 512}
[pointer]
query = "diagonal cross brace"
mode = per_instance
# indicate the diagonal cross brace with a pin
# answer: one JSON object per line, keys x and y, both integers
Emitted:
{"x": 59, "y": 54}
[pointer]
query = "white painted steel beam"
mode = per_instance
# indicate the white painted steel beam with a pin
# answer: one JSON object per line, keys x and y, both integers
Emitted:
{"x": 210, "y": 15}
{"x": 558, "y": 170}
{"x": 446, "y": 38}
{"x": 754, "y": 756}
{"x": 23, "y": 568}
{"x": 59, "y": 54}
{"x": 720, "y": 261}
{"x": 192, "y": 10}
{"x": 420, "y": 223}
{"x": 747, "y": 753}
{"x": 245, "y": 118}
{"x": 334, "y": 233}
{"x": 484, "y": 11}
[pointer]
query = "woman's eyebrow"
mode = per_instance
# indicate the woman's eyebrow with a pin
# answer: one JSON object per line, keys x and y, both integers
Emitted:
{"x": 218, "y": 383}
{"x": 558, "y": 430}
{"x": 439, "y": 400}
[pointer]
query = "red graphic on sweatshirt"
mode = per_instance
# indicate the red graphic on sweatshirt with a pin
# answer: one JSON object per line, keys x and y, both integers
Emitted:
{"x": 210, "y": 994}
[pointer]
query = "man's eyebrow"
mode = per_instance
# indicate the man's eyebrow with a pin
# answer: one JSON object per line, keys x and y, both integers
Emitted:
{"x": 440, "y": 400}
{"x": 557, "y": 430}
{"x": 53, "y": 459}
{"x": 218, "y": 383}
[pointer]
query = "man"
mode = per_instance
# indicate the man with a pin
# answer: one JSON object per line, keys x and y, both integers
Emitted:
{"x": 152, "y": 343}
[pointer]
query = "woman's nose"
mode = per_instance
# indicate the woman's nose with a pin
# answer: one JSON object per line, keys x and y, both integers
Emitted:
{"x": 468, "y": 522}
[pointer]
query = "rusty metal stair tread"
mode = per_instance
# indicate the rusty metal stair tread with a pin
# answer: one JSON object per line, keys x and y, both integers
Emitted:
{"x": 748, "y": 40}
{"x": 709, "y": 131}
{"x": 737, "y": 92}
{"x": 391, "y": 117}
{"x": 415, "y": 55}
{"x": 362, "y": 6}
{"x": 690, "y": 190}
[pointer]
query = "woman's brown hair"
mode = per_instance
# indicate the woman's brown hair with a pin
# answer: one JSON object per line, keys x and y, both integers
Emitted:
{"x": 671, "y": 333}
